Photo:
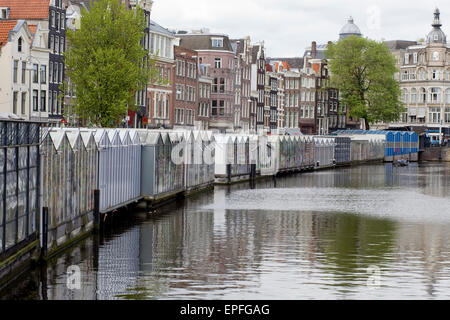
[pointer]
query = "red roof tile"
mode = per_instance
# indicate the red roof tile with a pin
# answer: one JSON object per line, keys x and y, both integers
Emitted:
{"x": 5, "y": 28}
{"x": 26, "y": 9}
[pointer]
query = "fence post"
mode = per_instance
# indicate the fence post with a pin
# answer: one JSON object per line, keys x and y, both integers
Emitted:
{"x": 96, "y": 210}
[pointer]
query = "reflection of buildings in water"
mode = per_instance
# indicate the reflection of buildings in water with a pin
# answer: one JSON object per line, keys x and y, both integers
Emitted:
{"x": 56, "y": 274}
{"x": 429, "y": 242}
{"x": 118, "y": 264}
{"x": 348, "y": 244}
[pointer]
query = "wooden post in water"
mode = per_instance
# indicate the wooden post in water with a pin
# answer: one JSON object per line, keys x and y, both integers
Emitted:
{"x": 44, "y": 244}
{"x": 229, "y": 173}
{"x": 96, "y": 210}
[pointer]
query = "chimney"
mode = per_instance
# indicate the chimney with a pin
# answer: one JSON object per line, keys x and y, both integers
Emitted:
{"x": 313, "y": 50}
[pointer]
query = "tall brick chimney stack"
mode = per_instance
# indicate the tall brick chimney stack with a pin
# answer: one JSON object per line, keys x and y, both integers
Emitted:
{"x": 313, "y": 50}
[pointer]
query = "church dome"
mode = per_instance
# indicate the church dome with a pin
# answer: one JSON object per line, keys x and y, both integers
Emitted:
{"x": 350, "y": 29}
{"x": 436, "y": 35}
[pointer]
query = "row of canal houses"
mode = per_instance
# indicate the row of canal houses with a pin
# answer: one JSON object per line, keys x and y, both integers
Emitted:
{"x": 214, "y": 82}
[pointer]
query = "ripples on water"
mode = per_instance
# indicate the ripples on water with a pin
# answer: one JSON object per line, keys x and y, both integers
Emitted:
{"x": 313, "y": 236}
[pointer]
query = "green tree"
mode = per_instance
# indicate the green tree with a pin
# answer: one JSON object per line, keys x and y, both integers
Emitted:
{"x": 363, "y": 70}
{"x": 106, "y": 63}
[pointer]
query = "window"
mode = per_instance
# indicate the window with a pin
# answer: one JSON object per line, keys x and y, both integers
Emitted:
{"x": 63, "y": 21}
{"x": 405, "y": 75}
{"x": 57, "y": 21}
{"x": 405, "y": 96}
{"x": 61, "y": 45}
{"x": 406, "y": 58}
{"x": 447, "y": 115}
{"x": 222, "y": 85}
{"x": 218, "y": 63}
{"x": 43, "y": 99}
{"x": 4, "y": 14}
{"x": 56, "y": 45}
{"x": 215, "y": 86}
{"x": 52, "y": 43}
{"x": 217, "y": 42}
{"x": 55, "y": 72}
{"x": 415, "y": 57}
{"x": 50, "y": 73}
{"x": 435, "y": 95}
{"x": 15, "y": 94}
{"x": 35, "y": 100}
{"x": 54, "y": 102}
{"x": 434, "y": 115}
{"x": 16, "y": 66}
{"x": 19, "y": 44}
{"x": 435, "y": 75}
{"x": 50, "y": 101}
{"x": 35, "y": 73}
{"x": 24, "y": 70}
{"x": 43, "y": 74}
{"x": 52, "y": 16}
{"x": 413, "y": 96}
{"x": 23, "y": 102}
{"x": 423, "y": 95}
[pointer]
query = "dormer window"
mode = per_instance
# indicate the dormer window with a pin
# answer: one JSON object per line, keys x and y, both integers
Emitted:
{"x": 4, "y": 13}
{"x": 217, "y": 42}
{"x": 19, "y": 45}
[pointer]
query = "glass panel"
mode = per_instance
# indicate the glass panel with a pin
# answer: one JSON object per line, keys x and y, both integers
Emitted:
{"x": 33, "y": 156}
{"x": 23, "y": 180}
{"x": 11, "y": 159}
{"x": 11, "y": 208}
{"x": 22, "y": 204}
{"x": 23, "y": 153}
{"x": 11, "y": 183}
{"x": 2, "y": 154}
{"x": 33, "y": 207}
{"x": 33, "y": 178}
{"x": 10, "y": 234}
{"x": 22, "y": 229}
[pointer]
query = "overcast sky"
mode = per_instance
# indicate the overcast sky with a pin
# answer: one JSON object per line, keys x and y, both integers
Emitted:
{"x": 289, "y": 26}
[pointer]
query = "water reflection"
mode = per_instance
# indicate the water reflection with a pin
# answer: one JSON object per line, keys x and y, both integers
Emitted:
{"x": 313, "y": 236}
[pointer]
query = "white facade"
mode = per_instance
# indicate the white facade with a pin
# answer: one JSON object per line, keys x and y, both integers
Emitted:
{"x": 424, "y": 76}
{"x": 24, "y": 86}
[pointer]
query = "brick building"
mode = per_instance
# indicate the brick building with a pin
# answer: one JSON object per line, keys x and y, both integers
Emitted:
{"x": 160, "y": 94}
{"x": 215, "y": 51}
{"x": 204, "y": 97}
{"x": 186, "y": 88}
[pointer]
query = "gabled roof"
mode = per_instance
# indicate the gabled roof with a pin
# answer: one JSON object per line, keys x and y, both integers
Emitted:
{"x": 295, "y": 62}
{"x": 83, "y": 3}
{"x": 399, "y": 44}
{"x": 203, "y": 42}
{"x": 5, "y": 27}
{"x": 27, "y": 9}
{"x": 160, "y": 29}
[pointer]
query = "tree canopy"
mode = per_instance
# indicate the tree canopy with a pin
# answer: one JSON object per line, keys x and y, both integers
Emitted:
{"x": 363, "y": 70}
{"x": 106, "y": 63}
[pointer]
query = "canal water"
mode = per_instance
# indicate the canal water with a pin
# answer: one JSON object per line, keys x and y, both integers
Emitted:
{"x": 363, "y": 232}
